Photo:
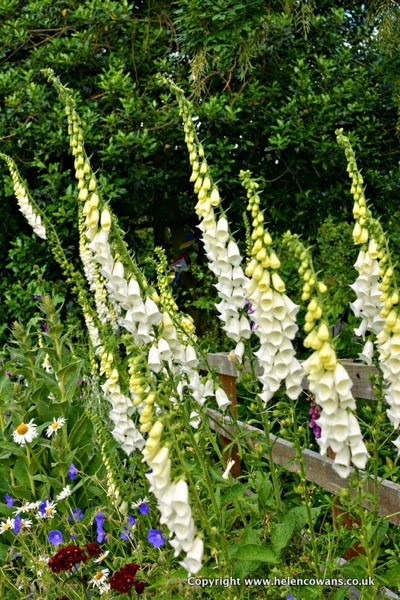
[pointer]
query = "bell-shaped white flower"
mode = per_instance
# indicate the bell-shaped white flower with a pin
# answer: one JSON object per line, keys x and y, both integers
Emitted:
{"x": 222, "y": 399}
{"x": 194, "y": 558}
{"x": 233, "y": 252}
{"x": 367, "y": 353}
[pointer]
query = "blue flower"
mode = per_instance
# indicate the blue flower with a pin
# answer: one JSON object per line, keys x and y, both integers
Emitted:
{"x": 144, "y": 508}
{"x": 9, "y": 500}
{"x": 72, "y": 471}
{"x": 43, "y": 505}
{"x": 99, "y": 518}
{"x": 55, "y": 537}
{"x": 17, "y": 524}
{"x": 155, "y": 538}
{"x": 131, "y": 523}
{"x": 75, "y": 515}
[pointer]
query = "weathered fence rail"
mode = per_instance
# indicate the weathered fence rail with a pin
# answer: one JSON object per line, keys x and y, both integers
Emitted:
{"x": 319, "y": 469}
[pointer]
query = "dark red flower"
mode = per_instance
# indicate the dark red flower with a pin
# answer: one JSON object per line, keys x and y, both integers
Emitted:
{"x": 93, "y": 549}
{"x": 123, "y": 580}
{"x": 66, "y": 558}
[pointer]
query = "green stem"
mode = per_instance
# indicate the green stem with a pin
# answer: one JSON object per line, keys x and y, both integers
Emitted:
{"x": 31, "y": 480}
{"x": 307, "y": 498}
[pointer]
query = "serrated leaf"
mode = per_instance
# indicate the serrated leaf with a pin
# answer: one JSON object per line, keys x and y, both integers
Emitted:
{"x": 234, "y": 492}
{"x": 391, "y": 577}
{"x": 253, "y": 552}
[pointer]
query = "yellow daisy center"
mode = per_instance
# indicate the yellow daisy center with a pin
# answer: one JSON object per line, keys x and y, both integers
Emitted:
{"x": 55, "y": 425}
{"x": 49, "y": 510}
{"x": 98, "y": 575}
{"x": 22, "y": 429}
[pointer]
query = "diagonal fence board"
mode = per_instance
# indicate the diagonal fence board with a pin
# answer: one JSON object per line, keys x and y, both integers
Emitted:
{"x": 360, "y": 374}
{"x": 319, "y": 469}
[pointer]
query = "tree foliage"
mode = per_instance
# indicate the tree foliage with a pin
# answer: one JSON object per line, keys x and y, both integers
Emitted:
{"x": 271, "y": 80}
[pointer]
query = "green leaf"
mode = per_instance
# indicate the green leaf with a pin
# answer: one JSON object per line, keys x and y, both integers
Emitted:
{"x": 21, "y": 472}
{"x": 391, "y": 577}
{"x": 282, "y": 532}
{"x": 252, "y": 552}
{"x": 68, "y": 378}
{"x": 234, "y": 492}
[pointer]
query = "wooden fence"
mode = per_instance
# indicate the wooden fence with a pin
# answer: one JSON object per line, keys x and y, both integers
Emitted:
{"x": 319, "y": 469}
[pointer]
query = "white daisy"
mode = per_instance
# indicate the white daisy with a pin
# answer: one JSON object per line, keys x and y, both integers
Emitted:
{"x": 26, "y": 523}
{"x": 6, "y": 525}
{"x": 139, "y": 502}
{"x": 64, "y": 493}
{"x": 38, "y": 565}
{"x": 100, "y": 578}
{"x": 55, "y": 426}
{"x": 47, "y": 510}
{"x": 25, "y": 433}
{"x": 102, "y": 557}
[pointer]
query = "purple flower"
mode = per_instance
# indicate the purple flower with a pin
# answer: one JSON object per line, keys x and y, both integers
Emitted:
{"x": 144, "y": 509}
{"x": 9, "y": 500}
{"x": 155, "y": 538}
{"x": 72, "y": 471}
{"x": 317, "y": 431}
{"x": 9, "y": 374}
{"x": 55, "y": 537}
{"x": 17, "y": 524}
{"x": 254, "y": 326}
{"x": 37, "y": 296}
{"x": 44, "y": 327}
{"x": 125, "y": 534}
{"x": 99, "y": 518}
{"x": 75, "y": 515}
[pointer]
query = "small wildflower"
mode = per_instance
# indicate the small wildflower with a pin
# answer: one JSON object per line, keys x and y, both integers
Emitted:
{"x": 155, "y": 538}
{"x": 72, "y": 471}
{"x": 66, "y": 558}
{"x": 25, "y": 433}
{"x": 9, "y": 500}
{"x": 75, "y": 515}
{"x": 124, "y": 579}
{"x": 99, "y": 518}
{"x": 93, "y": 549}
{"x": 17, "y": 524}
{"x": 55, "y": 426}
{"x": 47, "y": 509}
{"x": 100, "y": 578}
{"x": 6, "y": 525}
{"x": 144, "y": 508}
{"x": 229, "y": 466}
{"x": 26, "y": 523}
{"x": 102, "y": 557}
{"x": 139, "y": 502}
{"x": 39, "y": 564}
{"x": 55, "y": 537}
{"x": 64, "y": 493}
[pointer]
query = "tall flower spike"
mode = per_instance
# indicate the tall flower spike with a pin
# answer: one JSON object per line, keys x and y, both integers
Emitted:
{"x": 328, "y": 379}
{"x": 376, "y": 288}
{"x": 272, "y": 312}
{"x": 26, "y": 204}
{"x": 223, "y": 254}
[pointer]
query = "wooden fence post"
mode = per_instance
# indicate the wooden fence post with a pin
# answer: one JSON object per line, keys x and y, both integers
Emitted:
{"x": 228, "y": 383}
